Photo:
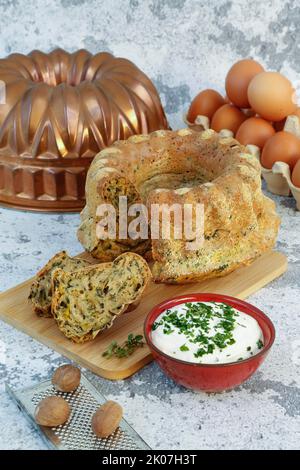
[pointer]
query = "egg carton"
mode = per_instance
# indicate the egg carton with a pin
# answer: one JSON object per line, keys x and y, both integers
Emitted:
{"x": 202, "y": 123}
{"x": 278, "y": 178}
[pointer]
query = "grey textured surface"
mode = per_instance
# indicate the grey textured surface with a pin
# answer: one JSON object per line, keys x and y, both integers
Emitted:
{"x": 184, "y": 45}
{"x": 263, "y": 413}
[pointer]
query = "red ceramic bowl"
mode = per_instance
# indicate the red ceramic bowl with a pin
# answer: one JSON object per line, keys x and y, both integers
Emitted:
{"x": 210, "y": 377}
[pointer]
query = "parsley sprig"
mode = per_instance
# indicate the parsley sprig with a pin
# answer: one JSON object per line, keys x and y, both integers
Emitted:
{"x": 127, "y": 348}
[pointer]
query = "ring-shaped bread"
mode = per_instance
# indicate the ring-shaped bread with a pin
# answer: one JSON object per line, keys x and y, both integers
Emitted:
{"x": 184, "y": 167}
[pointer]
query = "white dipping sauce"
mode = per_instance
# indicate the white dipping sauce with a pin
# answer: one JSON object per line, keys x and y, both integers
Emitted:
{"x": 207, "y": 333}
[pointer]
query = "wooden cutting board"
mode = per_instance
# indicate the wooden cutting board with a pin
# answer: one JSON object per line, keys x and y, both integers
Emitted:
{"x": 15, "y": 310}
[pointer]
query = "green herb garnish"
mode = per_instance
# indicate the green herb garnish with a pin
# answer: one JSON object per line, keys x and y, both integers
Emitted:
{"x": 260, "y": 344}
{"x": 184, "y": 348}
{"x": 155, "y": 325}
{"x": 126, "y": 349}
{"x": 195, "y": 325}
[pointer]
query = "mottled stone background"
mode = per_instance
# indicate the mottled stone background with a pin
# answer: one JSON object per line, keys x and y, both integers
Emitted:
{"x": 184, "y": 45}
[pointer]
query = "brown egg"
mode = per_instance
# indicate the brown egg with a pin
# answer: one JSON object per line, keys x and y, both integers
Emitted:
{"x": 271, "y": 95}
{"x": 227, "y": 117}
{"x": 255, "y": 131}
{"x": 238, "y": 79}
{"x": 296, "y": 175}
{"x": 206, "y": 103}
{"x": 279, "y": 125}
{"x": 282, "y": 147}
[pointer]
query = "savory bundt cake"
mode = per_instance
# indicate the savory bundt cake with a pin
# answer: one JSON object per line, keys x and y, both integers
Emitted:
{"x": 184, "y": 166}
{"x": 59, "y": 110}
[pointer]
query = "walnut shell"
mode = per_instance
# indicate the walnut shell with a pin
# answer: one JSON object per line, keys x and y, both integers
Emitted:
{"x": 107, "y": 418}
{"x": 66, "y": 378}
{"x": 52, "y": 411}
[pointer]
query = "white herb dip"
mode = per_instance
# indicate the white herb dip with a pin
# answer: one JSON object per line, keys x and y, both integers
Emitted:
{"x": 207, "y": 333}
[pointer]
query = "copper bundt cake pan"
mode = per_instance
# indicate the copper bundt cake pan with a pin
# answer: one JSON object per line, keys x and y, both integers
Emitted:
{"x": 59, "y": 111}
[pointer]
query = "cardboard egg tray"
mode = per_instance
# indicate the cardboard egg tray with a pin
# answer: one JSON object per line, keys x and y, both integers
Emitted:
{"x": 278, "y": 179}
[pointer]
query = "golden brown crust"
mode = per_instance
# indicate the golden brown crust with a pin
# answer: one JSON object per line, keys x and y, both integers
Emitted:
{"x": 185, "y": 166}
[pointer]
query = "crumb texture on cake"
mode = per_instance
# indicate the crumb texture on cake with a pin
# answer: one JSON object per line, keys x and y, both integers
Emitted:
{"x": 40, "y": 294}
{"x": 88, "y": 300}
{"x": 168, "y": 167}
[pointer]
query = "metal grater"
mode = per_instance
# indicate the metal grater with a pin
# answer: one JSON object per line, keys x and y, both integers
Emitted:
{"x": 77, "y": 432}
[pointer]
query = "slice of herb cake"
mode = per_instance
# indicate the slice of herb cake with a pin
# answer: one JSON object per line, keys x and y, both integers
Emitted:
{"x": 88, "y": 300}
{"x": 41, "y": 288}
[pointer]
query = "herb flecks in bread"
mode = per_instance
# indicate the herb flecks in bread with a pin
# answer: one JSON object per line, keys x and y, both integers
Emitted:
{"x": 41, "y": 288}
{"x": 88, "y": 300}
{"x": 184, "y": 167}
